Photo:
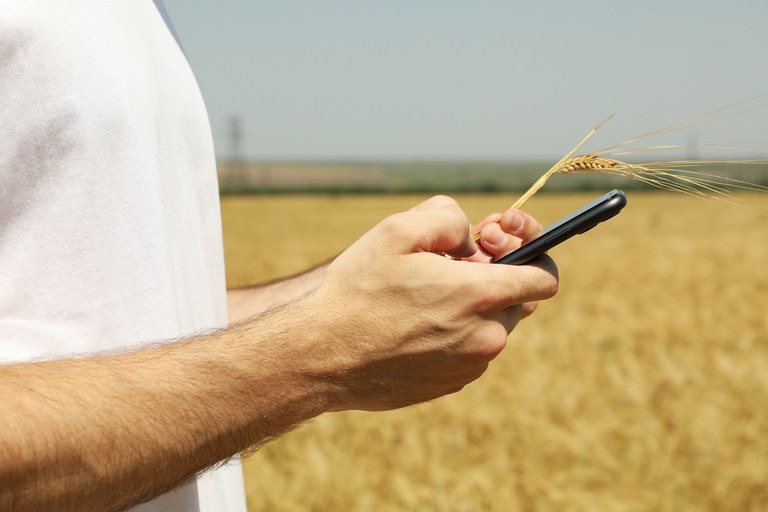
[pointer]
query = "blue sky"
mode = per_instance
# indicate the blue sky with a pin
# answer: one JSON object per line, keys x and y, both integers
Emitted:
{"x": 488, "y": 79}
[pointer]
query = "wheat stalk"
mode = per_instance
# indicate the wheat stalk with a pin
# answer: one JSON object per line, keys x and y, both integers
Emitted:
{"x": 670, "y": 175}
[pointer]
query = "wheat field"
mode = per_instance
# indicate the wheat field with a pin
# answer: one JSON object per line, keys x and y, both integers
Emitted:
{"x": 643, "y": 386}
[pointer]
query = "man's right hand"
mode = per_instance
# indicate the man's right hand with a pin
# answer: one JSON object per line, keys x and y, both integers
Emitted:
{"x": 403, "y": 324}
{"x": 391, "y": 322}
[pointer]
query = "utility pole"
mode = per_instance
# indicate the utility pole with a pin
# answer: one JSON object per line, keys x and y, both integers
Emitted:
{"x": 236, "y": 138}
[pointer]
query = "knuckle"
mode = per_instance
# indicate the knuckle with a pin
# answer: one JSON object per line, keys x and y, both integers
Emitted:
{"x": 443, "y": 200}
{"x": 528, "y": 308}
{"x": 395, "y": 226}
{"x": 548, "y": 281}
{"x": 489, "y": 340}
{"x": 457, "y": 216}
{"x": 458, "y": 225}
{"x": 551, "y": 286}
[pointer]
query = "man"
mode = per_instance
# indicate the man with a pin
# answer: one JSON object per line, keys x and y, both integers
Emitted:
{"x": 110, "y": 245}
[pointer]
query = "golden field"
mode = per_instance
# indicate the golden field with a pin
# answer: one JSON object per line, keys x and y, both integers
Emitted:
{"x": 642, "y": 386}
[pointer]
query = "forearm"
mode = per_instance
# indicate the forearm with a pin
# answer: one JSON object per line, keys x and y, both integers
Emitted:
{"x": 243, "y": 303}
{"x": 108, "y": 432}
{"x": 390, "y": 323}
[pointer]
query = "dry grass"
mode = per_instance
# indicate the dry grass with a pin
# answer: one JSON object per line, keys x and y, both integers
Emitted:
{"x": 642, "y": 386}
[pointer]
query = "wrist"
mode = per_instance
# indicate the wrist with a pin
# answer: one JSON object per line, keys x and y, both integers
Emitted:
{"x": 287, "y": 353}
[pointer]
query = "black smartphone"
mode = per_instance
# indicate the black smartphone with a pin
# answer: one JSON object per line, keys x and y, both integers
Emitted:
{"x": 578, "y": 222}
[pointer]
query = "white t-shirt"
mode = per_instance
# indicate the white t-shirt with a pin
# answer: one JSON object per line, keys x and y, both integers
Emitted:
{"x": 110, "y": 233}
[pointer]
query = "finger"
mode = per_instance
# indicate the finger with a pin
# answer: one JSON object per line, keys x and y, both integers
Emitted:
{"x": 441, "y": 230}
{"x": 513, "y": 229}
{"x": 502, "y": 286}
{"x": 492, "y": 240}
{"x": 490, "y": 335}
{"x": 510, "y": 317}
{"x": 496, "y": 243}
{"x": 493, "y": 218}
{"x": 496, "y": 331}
{"x": 520, "y": 224}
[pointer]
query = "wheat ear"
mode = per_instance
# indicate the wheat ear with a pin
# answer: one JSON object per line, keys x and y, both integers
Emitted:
{"x": 673, "y": 175}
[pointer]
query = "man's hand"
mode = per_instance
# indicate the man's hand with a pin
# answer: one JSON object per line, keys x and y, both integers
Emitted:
{"x": 404, "y": 323}
{"x": 389, "y": 323}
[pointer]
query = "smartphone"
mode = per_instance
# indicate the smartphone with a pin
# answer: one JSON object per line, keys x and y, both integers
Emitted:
{"x": 578, "y": 222}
